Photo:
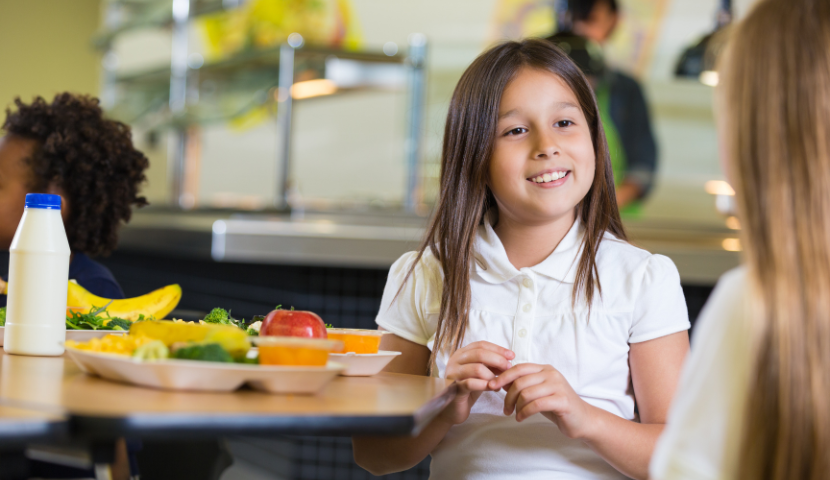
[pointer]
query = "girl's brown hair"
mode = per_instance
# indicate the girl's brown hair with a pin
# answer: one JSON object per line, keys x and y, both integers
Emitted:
{"x": 465, "y": 198}
{"x": 777, "y": 96}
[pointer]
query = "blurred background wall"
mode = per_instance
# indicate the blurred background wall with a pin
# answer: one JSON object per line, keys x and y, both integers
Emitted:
{"x": 45, "y": 48}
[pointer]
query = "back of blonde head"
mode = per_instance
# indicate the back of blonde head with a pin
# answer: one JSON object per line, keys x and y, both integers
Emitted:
{"x": 777, "y": 93}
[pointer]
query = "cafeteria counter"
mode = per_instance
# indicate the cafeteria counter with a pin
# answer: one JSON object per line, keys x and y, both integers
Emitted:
{"x": 702, "y": 251}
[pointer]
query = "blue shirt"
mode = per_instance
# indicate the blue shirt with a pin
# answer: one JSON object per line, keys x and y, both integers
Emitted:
{"x": 94, "y": 277}
{"x": 91, "y": 275}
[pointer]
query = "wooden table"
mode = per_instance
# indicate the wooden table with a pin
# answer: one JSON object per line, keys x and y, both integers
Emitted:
{"x": 96, "y": 408}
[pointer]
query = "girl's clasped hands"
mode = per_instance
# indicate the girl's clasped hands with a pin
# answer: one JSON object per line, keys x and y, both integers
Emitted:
{"x": 530, "y": 388}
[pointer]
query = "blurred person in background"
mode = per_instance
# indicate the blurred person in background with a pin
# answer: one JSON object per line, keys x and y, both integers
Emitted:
{"x": 583, "y": 28}
{"x": 67, "y": 147}
{"x": 753, "y": 399}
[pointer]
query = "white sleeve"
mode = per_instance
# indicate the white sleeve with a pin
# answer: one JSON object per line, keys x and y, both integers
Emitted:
{"x": 661, "y": 307}
{"x": 406, "y": 301}
{"x": 704, "y": 422}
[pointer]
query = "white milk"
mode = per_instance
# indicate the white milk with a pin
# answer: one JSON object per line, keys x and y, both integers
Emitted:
{"x": 38, "y": 272}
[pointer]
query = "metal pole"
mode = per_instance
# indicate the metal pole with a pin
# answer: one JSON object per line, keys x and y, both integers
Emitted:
{"x": 284, "y": 118}
{"x": 109, "y": 61}
{"x": 178, "y": 97}
{"x": 417, "y": 85}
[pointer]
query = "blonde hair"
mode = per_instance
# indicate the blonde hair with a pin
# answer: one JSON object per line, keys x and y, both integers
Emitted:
{"x": 777, "y": 93}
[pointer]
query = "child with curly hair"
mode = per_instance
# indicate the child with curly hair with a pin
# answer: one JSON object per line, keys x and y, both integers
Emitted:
{"x": 67, "y": 147}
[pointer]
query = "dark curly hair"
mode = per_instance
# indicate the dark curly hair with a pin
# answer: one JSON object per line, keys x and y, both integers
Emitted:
{"x": 90, "y": 157}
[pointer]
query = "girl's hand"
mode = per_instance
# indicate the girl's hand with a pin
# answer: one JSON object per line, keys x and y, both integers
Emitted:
{"x": 533, "y": 389}
{"x": 472, "y": 367}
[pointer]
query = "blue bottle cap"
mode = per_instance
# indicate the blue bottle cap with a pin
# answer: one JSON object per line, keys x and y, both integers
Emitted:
{"x": 43, "y": 200}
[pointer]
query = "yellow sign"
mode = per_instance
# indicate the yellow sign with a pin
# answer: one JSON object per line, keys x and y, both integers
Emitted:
{"x": 268, "y": 23}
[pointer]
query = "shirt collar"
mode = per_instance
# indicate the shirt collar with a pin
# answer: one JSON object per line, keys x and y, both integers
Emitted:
{"x": 493, "y": 265}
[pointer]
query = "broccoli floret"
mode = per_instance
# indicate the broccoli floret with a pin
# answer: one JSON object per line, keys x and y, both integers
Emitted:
{"x": 253, "y": 329}
{"x": 206, "y": 352}
{"x": 155, "y": 350}
{"x": 2, "y": 316}
{"x": 116, "y": 323}
{"x": 218, "y": 315}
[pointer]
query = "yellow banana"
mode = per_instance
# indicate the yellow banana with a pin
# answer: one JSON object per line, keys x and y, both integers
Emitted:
{"x": 157, "y": 303}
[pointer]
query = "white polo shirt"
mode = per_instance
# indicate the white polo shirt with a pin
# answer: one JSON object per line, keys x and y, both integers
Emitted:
{"x": 529, "y": 311}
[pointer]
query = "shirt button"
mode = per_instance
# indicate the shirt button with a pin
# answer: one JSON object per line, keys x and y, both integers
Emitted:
{"x": 527, "y": 307}
{"x": 523, "y": 333}
{"x": 527, "y": 282}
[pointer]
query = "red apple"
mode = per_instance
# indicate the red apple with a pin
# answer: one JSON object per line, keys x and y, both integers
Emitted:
{"x": 293, "y": 323}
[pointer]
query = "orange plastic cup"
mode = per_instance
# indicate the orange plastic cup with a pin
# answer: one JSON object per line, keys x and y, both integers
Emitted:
{"x": 356, "y": 340}
{"x": 295, "y": 352}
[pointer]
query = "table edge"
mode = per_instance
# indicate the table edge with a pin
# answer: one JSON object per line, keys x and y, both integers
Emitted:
{"x": 424, "y": 415}
{"x": 188, "y": 425}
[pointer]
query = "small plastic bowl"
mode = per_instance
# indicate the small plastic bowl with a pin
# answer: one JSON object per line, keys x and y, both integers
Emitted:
{"x": 356, "y": 340}
{"x": 294, "y": 351}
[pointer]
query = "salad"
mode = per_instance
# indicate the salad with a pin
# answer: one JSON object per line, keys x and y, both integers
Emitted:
{"x": 95, "y": 319}
{"x": 220, "y": 316}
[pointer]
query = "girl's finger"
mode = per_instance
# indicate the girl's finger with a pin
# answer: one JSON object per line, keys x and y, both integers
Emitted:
{"x": 471, "y": 385}
{"x": 471, "y": 370}
{"x": 553, "y": 404}
{"x": 519, "y": 386}
{"x": 496, "y": 371}
{"x": 504, "y": 352}
{"x": 535, "y": 392}
{"x": 510, "y": 375}
{"x": 485, "y": 357}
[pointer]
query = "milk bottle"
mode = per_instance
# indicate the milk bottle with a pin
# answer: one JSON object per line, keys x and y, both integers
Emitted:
{"x": 38, "y": 272}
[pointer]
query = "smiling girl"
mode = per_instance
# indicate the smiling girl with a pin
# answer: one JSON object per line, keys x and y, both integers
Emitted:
{"x": 526, "y": 293}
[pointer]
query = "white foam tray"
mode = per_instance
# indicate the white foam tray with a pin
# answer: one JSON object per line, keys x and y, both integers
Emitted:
{"x": 363, "y": 364}
{"x": 194, "y": 375}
